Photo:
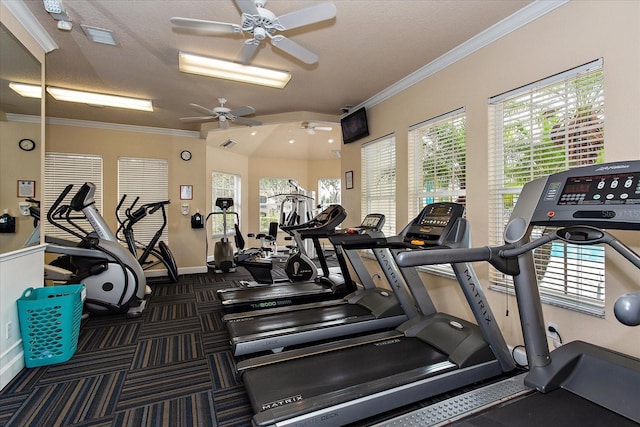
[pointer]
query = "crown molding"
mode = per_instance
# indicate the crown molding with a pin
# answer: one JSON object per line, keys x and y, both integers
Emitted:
{"x": 22, "y": 13}
{"x": 103, "y": 125}
{"x": 511, "y": 23}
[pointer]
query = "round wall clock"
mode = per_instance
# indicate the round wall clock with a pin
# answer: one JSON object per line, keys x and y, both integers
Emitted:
{"x": 27, "y": 144}
{"x": 185, "y": 155}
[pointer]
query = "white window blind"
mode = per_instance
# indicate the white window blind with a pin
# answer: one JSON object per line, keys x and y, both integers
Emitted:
{"x": 378, "y": 160}
{"x": 147, "y": 179}
{"x": 437, "y": 166}
{"x": 62, "y": 169}
{"x": 228, "y": 186}
{"x": 546, "y": 127}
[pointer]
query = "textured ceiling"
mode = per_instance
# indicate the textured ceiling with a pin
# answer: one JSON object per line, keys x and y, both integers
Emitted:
{"x": 368, "y": 46}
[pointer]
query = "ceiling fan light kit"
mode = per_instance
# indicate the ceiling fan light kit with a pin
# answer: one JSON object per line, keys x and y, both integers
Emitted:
{"x": 212, "y": 67}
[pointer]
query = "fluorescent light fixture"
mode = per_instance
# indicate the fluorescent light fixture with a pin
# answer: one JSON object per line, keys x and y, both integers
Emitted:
{"x": 26, "y": 90}
{"x": 212, "y": 67}
{"x": 99, "y": 99}
{"x": 91, "y": 98}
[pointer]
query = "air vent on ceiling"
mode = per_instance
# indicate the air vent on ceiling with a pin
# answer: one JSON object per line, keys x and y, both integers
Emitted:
{"x": 99, "y": 35}
{"x": 230, "y": 143}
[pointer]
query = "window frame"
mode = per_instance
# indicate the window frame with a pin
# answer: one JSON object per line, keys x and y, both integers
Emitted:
{"x": 378, "y": 162}
{"x": 148, "y": 179}
{"x": 62, "y": 169}
{"x": 569, "y": 130}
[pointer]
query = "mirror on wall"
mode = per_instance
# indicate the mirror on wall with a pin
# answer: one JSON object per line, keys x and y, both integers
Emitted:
{"x": 20, "y": 145}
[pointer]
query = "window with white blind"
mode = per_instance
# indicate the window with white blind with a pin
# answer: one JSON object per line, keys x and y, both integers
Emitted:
{"x": 329, "y": 192}
{"x": 147, "y": 179}
{"x": 378, "y": 161}
{"x": 62, "y": 169}
{"x": 224, "y": 185}
{"x": 437, "y": 166}
{"x": 546, "y": 127}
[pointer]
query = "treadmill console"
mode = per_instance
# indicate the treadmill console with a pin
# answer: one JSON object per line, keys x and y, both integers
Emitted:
{"x": 323, "y": 223}
{"x": 601, "y": 195}
{"x": 433, "y": 224}
{"x": 370, "y": 222}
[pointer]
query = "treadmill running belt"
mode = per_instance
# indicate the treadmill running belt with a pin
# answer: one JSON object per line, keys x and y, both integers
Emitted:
{"x": 557, "y": 408}
{"x": 299, "y": 379}
{"x": 274, "y": 291}
{"x": 299, "y": 318}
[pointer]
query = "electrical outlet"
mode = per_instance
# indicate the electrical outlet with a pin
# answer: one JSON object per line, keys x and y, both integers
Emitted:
{"x": 9, "y": 330}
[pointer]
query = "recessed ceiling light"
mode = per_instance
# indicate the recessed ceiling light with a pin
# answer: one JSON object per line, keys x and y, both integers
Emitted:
{"x": 99, "y": 35}
{"x": 291, "y": 141}
{"x": 330, "y": 140}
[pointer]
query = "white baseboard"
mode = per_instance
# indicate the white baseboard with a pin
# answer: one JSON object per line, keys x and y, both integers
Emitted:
{"x": 11, "y": 363}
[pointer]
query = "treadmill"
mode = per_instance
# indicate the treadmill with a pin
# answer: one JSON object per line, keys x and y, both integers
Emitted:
{"x": 324, "y": 287}
{"x": 578, "y": 383}
{"x": 367, "y": 309}
{"x": 340, "y": 382}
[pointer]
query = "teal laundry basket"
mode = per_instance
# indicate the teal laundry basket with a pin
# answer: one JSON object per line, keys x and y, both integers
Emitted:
{"x": 50, "y": 323}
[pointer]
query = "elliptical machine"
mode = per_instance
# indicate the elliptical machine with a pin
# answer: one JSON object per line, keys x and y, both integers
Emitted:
{"x": 223, "y": 253}
{"x": 114, "y": 279}
{"x": 162, "y": 253}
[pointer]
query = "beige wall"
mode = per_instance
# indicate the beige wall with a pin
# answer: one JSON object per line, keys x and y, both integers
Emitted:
{"x": 571, "y": 35}
{"x": 15, "y": 165}
{"x": 187, "y": 244}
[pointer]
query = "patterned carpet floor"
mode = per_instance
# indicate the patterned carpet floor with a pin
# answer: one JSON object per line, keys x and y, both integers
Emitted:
{"x": 172, "y": 366}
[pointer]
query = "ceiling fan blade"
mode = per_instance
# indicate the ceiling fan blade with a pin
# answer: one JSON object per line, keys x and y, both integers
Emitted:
{"x": 202, "y": 109}
{"x": 324, "y": 128}
{"x": 247, "y": 6}
{"x": 197, "y": 119}
{"x": 242, "y": 111}
{"x": 208, "y": 27}
{"x": 245, "y": 121}
{"x": 248, "y": 51}
{"x": 306, "y": 16}
{"x": 294, "y": 49}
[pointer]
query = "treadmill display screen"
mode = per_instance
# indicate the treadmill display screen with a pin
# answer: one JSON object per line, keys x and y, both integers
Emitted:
{"x": 613, "y": 189}
{"x": 437, "y": 215}
{"x": 370, "y": 221}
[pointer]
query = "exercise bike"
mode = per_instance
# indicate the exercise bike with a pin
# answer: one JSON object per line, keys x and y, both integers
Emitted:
{"x": 114, "y": 279}
{"x": 156, "y": 248}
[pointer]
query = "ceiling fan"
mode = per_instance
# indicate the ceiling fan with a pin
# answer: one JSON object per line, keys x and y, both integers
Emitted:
{"x": 260, "y": 23}
{"x": 311, "y": 128}
{"x": 223, "y": 114}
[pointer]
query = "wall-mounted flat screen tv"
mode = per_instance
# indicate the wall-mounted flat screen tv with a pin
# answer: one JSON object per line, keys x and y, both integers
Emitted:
{"x": 354, "y": 126}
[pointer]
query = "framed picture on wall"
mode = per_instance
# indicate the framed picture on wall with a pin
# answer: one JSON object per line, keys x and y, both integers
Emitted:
{"x": 26, "y": 188}
{"x": 186, "y": 192}
{"x": 348, "y": 180}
